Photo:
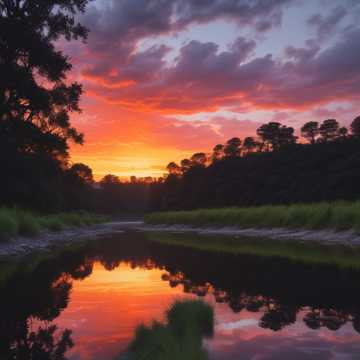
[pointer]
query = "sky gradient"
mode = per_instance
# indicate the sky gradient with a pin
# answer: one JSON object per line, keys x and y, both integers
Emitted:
{"x": 166, "y": 78}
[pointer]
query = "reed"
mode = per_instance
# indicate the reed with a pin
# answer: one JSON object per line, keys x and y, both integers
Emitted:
{"x": 15, "y": 222}
{"x": 339, "y": 215}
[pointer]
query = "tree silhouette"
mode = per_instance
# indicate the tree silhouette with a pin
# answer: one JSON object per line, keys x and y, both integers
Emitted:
{"x": 274, "y": 135}
{"x": 83, "y": 171}
{"x": 276, "y": 319}
{"x": 343, "y": 132}
{"x": 42, "y": 345}
{"x": 109, "y": 180}
{"x": 329, "y": 130}
{"x": 173, "y": 168}
{"x": 232, "y": 147}
{"x": 310, "y": 131}
{"x": 33, "y": 87}
{"x": 185, "y": 165}
{"x": 218, "y": 152}
{"x": 249, "y": 144}
{"x": 355, "y": 127}
{"x": 199, "y": 159}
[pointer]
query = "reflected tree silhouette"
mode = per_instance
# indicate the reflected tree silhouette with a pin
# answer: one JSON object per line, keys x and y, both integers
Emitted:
{"x": 278, "y": 318}
{"x": 44, "y": 344}
{"x": 272, "y": 287}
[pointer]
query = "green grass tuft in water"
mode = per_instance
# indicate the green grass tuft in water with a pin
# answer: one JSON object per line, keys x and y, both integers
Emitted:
{"x": 179, "y": 338}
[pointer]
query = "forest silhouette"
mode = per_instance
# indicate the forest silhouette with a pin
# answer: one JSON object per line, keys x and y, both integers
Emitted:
{"x": 37, "y": 100}
{"x": 272, "y": 168}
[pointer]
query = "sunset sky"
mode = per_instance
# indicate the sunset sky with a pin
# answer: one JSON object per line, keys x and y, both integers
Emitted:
{"x": 166, "y": 78}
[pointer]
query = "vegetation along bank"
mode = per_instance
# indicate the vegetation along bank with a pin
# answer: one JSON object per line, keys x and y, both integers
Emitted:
{"x": 16, "y": 222}
{"x": 339, "y": 215}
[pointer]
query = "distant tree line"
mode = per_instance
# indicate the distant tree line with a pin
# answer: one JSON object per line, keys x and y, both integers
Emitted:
{"x": 271, "y": 168}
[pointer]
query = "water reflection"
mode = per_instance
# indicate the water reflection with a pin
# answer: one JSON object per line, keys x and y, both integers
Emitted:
{"x": 40, "y": 299}
{"x": 179, "y": 337}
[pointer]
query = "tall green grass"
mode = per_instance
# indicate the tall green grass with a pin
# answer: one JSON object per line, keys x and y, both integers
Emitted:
{"x": 187, "y": 322}
{"x": 14, "y": 222}
{"x": 339, "y": 215}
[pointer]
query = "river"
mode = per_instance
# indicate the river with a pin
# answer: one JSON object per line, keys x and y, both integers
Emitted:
{"x": 85, "y": 302}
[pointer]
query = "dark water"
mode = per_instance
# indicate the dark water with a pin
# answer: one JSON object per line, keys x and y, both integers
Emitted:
{"x": 86, "y": 303}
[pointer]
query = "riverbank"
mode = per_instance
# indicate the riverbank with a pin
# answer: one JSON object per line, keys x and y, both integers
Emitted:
{"x": 16, "y": 222}
{"x": 336, "y": 216}
{"x": 48, "y": 240}
{"x": 314, "y": 253}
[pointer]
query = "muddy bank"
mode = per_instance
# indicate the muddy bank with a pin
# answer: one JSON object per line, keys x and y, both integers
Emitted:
{"x": 46, "y": 240}
{"x": 327, "y": 237}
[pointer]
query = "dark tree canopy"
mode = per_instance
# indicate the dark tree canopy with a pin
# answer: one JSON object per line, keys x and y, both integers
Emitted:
{"x": 33, "y": 86}
{"x": 83, "y": 171}
{"x": 329, "y": 130}
{"x": 36, "y": 102}
{"x": 310, "y": 131}
{"x": 218, "y": 152}
{"x": 274, "y": 135}
{"x": 185, "y": 165}
{"x": 109, "y": 180}
{"x": 199, "y": 159}
{"x": 269, "y": 169}
{"x": 249, "y": 144}
{"x": 173, "y": 168}
{"x": 355, "y": 127}
{"x": 232, "y": 148}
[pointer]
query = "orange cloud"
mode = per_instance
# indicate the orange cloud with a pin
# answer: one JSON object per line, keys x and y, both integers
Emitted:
{"x": 129, "y": 143}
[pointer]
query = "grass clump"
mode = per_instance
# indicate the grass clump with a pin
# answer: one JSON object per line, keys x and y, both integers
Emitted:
{"x": 338, "y": 215}
{"x": 52, "y": 223}
{"x": 179, "y": 338}
{"x": 8, "y": 225}
{"x": 28, "y": 223}
{"x": 14, "y": 222}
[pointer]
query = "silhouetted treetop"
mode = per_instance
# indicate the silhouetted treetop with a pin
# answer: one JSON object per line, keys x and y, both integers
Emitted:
{"x": 329, "y": 130}
{"x": 173, "y": 168}
{"x": 185, "y": 165}
{"x": 355, "y": 127}
{"x": 33, "y": 71}
{"x": 310, "y": 131}
{"x": 275, "y": 135}
{"x": 199, "y": 159}
{"x": 83, "y": 171}
{"x": 249, "y": 144}
{"x": 232, "y": 147}
{"x": 109, "y": 180}
{"x": 218, "y": 152}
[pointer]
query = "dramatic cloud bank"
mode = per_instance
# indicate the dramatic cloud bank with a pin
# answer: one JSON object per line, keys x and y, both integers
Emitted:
{"x": 155, "y": 58}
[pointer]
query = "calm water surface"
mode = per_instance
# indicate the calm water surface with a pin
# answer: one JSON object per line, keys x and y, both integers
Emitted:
{"x": 264, "y": 308}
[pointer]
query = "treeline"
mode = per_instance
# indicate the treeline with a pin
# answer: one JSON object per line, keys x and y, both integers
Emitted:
{"x": 271, "y": 168}
{"x": 38, "y": 181}
{"x": 36, "y": 104}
